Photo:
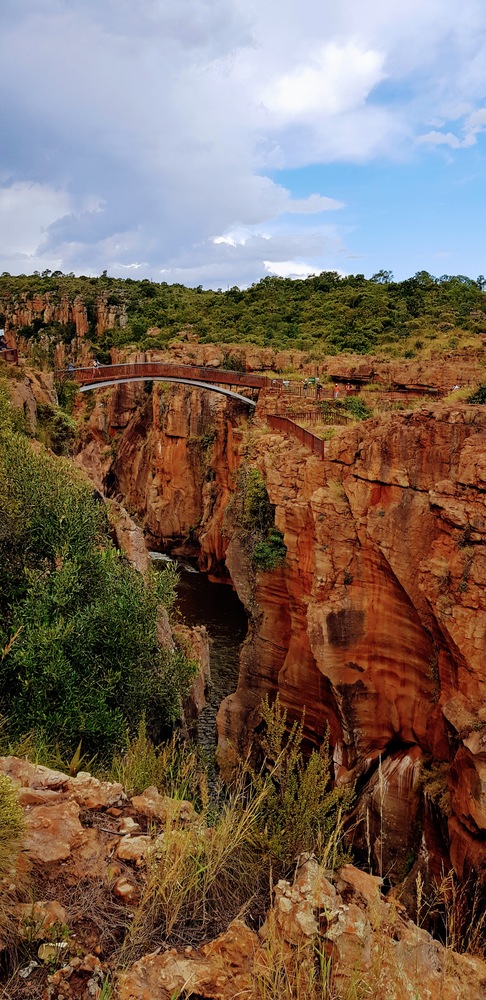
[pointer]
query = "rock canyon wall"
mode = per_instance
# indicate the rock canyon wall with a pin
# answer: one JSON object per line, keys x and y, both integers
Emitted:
{"x": 376, "y": 622}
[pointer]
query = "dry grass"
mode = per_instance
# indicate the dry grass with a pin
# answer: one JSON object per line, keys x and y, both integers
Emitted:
{"x": 288, "y": 972}
{"x": 456, "y": 913}
{"x": 173, "y": 767}
{"x": 200, "y": 878}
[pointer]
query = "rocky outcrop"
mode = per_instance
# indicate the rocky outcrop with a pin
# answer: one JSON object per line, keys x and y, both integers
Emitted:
{"x": 75, "y": 896}
{"x": 172, "y": 455}
{"x": 366, "y": 942}
{"x": 375, "y": 624}
{"x": 129, "y": 538}
{"x": 28, "y": 392}
{"x": 50, "y": 308}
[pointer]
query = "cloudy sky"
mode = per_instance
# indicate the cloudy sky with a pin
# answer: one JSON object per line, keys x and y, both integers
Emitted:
{"x": 213, "y": 142}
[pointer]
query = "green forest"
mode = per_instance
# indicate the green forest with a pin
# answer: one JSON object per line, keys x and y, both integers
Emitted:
{"x": 327, "y": 313}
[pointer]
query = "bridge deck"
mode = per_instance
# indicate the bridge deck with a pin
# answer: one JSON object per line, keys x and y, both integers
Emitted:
{"x": 156, "y": 369}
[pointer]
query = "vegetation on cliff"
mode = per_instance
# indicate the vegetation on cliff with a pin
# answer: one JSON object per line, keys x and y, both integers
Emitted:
{"x": 328, "y": 313}
{"x": 80, "y": 658}
{"x": 254, "y": 517}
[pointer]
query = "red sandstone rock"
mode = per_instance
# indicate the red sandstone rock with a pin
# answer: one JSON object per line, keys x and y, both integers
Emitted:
{"x": 52, "y": 831}
{"x": 373, "y": 945}
{"x": 378, "y": 617}
{"x": 90, "y": 793}
{"x": 36, "y": 919}
{"x": 128, "y": 536}
{"x": 220, "y": 972}
{"x": 134, "y": 848}
{"x": 156, "y": 806}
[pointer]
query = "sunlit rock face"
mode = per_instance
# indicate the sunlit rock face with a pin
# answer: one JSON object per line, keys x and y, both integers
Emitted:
{"x": 375, "y": 624}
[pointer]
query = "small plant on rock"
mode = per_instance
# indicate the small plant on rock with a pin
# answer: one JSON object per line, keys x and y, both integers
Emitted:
{"x": 301, "y": 812}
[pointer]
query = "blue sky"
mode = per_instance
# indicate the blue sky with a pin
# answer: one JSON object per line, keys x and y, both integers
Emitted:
{"x": 214, "y": 142}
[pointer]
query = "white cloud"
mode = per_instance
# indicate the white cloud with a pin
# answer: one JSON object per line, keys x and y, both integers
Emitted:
{"x": 440, "y": 139}
{"x": 474, "y": 123}
{"x": 335, "y": 79}
{"x": 289, "y": 268}
{"x": 153, "y": 128}
{"x": 26, "y": 212}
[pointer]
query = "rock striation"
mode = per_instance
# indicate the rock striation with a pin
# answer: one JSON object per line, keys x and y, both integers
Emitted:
{"x": 376, "y": 622}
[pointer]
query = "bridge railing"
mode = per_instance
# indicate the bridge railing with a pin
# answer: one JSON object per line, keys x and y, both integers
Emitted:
{"x": 306, "y": 438}
{"x": 9, "y": 354}
{"x": 330, "y": 415}
{"x": 154, "y": 369}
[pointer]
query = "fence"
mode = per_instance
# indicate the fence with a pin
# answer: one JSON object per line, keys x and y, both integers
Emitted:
{"x": 10, "y": 354}
{"x": 306, "y": 438}
{"x": 329, "y": 414}
{"x": 152, "y": 369}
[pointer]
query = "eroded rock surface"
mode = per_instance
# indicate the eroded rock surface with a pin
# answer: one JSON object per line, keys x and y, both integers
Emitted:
{"x": 370, "y": 944}
{"x": 376, "y": 623}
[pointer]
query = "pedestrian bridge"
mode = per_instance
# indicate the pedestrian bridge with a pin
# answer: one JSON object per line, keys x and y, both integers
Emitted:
{"x": 217, "y": 379}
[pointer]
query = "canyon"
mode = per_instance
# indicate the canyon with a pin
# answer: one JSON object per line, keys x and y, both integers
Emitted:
{"x": 375, "y": 624}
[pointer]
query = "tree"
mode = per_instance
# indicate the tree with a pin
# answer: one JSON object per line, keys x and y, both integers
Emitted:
{"x": 382, "y": 277}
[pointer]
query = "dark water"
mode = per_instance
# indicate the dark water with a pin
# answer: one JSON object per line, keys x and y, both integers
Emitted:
{"x": 218, "y": 607}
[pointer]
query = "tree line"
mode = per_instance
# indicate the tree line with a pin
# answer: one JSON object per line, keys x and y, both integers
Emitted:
{"x": 327, "y": 313}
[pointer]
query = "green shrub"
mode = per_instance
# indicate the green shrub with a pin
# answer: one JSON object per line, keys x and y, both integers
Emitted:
{"x": 254, "y": 516}
{"x": 252, "y": 507}
{"x": 357, "y": 407}
{"x": 300, "y": 812}
{"x": 271, "y": 553}
{"x": 66, "y": 393}
{"x": 479, "y": 396}
{"x": 78, "y": 623}
{"x": 56, "y": 429}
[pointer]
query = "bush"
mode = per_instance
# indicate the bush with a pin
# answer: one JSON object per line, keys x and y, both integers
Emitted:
{"x": 269, "y": 554}
{"x": 357, "y": 407}
{"x": 250, "y": 835}
{"x": 79, "y": 624}
{"x": 300, "y": 812}
{"x": 479, "y": 396}
{"x": 254, "y": 516}
{"x": 56, "y": 429}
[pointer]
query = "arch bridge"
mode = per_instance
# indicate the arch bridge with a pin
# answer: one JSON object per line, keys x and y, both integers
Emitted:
{"x": 217, "y": 379}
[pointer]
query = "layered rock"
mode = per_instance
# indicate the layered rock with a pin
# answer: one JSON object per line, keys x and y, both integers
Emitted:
{"x": 52, "y": 308}
{"x": 172, "y": 455}
{"x": 376, "y": 622}
{"x": 382, "y": 601}
{"x": 80, "y": 890}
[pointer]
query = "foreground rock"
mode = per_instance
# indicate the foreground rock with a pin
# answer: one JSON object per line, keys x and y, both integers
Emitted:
{"x": 370, "y": 946}
{"x": 81, "y": 875}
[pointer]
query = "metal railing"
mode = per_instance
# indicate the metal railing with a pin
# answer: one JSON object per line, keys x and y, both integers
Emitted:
{"x": 154, "y": 369}
{"x": 327, "y": 415}
{"x": 9, "y": 354}
{"x": 306, "y": 438}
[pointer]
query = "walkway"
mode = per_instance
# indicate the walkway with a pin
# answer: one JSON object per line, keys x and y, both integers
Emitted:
{"x": 101, "y": 376}
{"x": 216, "y": 379}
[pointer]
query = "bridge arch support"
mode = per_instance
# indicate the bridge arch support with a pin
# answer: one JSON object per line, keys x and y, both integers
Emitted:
{"x": 105, "y": 383}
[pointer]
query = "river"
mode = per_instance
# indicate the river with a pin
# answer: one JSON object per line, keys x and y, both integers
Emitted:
{"x": 218, "y": 607}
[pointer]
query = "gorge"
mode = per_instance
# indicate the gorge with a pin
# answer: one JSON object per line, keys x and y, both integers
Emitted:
{"x": 374, "y": 624}
{"x": 355, "y": 573}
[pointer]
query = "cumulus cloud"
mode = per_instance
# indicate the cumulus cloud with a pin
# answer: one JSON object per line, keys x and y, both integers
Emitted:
{"x": 156, "y": 128}
{"x": 473, "y": 124}
{"x": 336, "y": 78}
